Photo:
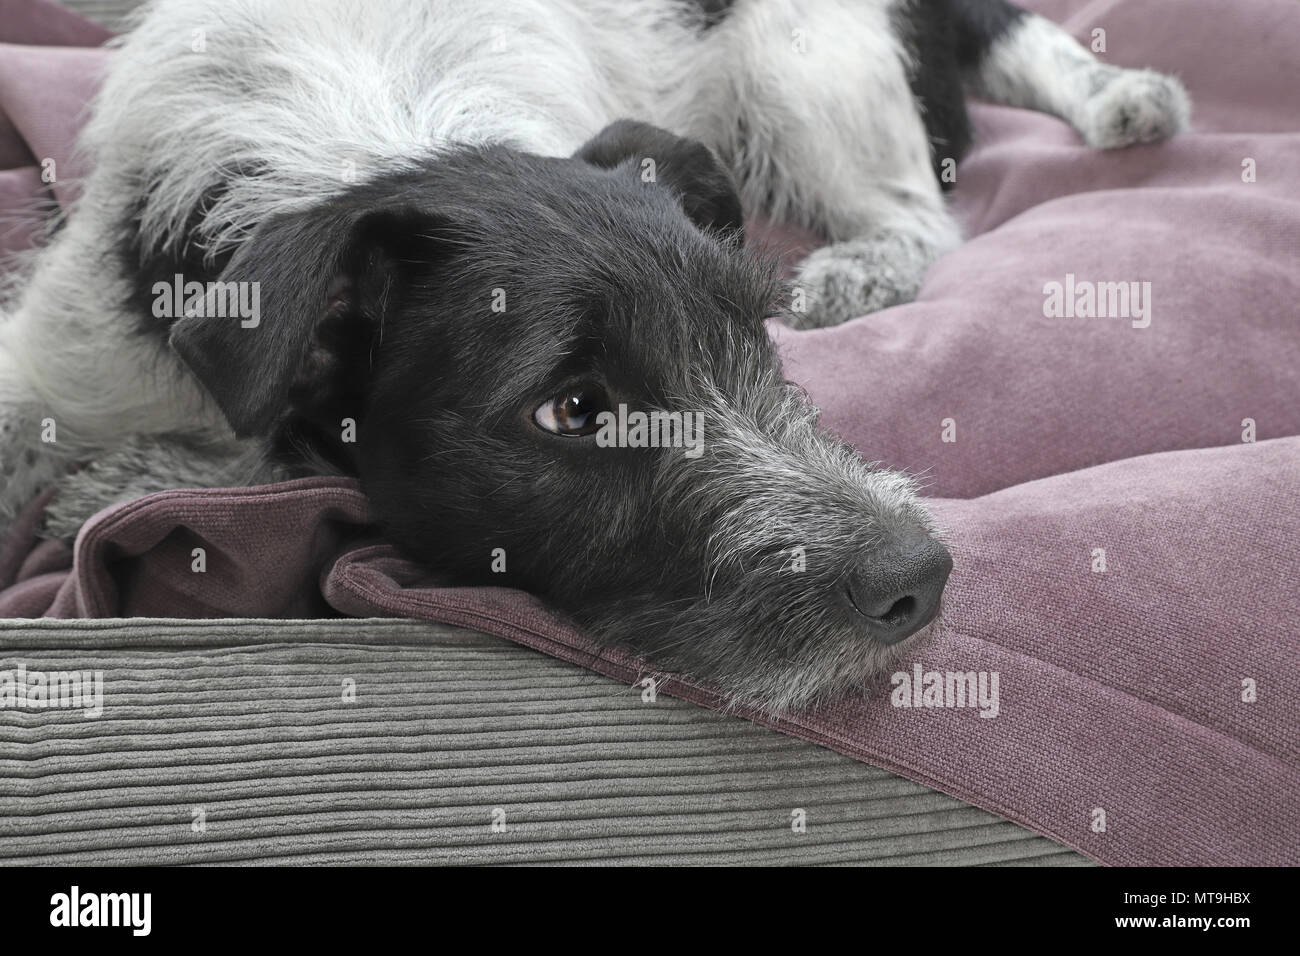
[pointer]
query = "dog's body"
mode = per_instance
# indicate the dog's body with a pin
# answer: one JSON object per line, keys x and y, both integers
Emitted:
{"x": 462, "y": 251}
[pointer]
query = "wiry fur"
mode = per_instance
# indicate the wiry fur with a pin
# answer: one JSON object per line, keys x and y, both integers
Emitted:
{"x": 144, "y": 464}
{"x": 1039, "y": 67}
{"x": 789, "y": 509}
{"x": 383, "y": 169}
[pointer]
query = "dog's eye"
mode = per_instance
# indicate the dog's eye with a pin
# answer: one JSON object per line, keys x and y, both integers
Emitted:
{"x": 572, "y": 412}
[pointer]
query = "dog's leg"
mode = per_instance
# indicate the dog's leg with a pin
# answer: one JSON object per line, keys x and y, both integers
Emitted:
{"x": 76, "y": 378}
{"x": 1016, "y": 58}
{"x": 812, "y": 106}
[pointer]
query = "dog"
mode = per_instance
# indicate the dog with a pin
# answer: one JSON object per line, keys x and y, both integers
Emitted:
{"x": 441, "y": 246}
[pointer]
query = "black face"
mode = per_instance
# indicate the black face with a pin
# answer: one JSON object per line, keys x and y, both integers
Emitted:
{"x": 481, "y": 428}
{"x": 481, "y": 320}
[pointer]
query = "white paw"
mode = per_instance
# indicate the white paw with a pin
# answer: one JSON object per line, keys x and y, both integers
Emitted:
{"x": 849, "y": 279}
{"x": 1134, "y": 106}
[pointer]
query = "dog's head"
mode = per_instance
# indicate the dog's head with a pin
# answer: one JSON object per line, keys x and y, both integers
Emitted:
{"x": 558, "y": 377}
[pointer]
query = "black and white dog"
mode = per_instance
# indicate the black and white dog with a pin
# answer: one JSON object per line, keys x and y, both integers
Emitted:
{"x": 437, "y": 244}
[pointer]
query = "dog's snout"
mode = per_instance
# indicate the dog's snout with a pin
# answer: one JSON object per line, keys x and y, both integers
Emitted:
{"x": 896, "y": 588}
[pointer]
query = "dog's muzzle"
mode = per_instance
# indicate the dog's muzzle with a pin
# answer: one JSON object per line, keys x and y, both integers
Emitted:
{"x": 896, "y": 589}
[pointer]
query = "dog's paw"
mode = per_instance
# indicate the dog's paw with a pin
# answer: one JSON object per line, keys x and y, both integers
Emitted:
{"x": 144, "y": 464}
{"x": 63, "y": 519}
{"x": 79, "y": 496}
{"x": 1134, "y": 106}
{"x": 849, "y": 279}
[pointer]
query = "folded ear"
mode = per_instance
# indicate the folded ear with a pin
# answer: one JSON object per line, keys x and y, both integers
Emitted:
{"x": 297, "y": 270}
{"x": 702, "y": 183}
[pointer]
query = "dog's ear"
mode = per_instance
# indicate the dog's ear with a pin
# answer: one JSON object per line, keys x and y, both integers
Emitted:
{"x": 299, "y": 269}
{"x": 690, "y": 169}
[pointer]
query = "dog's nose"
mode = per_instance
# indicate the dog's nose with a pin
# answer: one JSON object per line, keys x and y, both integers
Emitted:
{"x": 897, "y": 587}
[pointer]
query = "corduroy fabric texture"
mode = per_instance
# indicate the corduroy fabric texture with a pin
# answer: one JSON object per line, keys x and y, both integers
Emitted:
{"x": 243, "y": 725}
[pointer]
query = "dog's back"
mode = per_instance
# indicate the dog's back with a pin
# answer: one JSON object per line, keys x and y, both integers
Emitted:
{"x": 225, "y": 111}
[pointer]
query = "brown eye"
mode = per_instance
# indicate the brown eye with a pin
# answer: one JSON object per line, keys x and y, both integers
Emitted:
{"x": 573, "y": 412}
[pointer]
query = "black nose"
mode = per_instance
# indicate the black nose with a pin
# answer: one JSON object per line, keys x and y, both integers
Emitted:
{"x": 896, "y": 588}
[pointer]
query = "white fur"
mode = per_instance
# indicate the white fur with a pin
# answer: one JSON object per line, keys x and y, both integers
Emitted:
{"x": 855, "y": 165}
{"x": 1039, "y": 66}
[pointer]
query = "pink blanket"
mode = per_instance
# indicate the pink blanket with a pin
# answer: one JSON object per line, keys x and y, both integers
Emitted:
{"x": 1122, "y": 494}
